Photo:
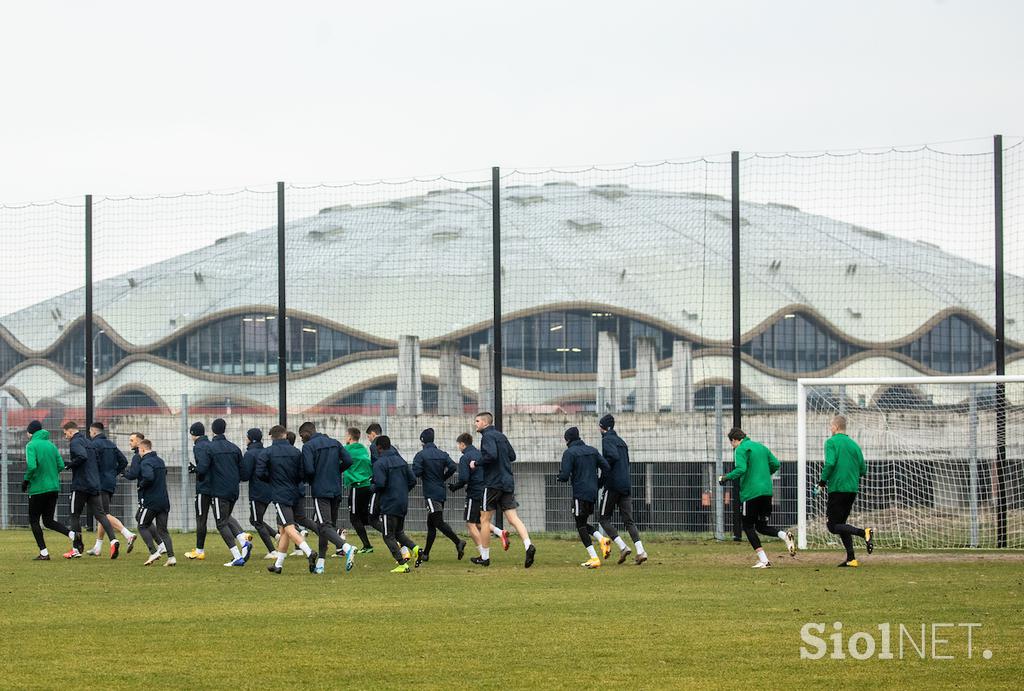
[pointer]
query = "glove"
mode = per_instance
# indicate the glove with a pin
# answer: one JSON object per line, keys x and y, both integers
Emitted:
{"x": 822, "y": 484}
{"x": 24, "y": 486}
{"x": 722, "y": 480}
{"x": 816, "y": 491}
{"x": 191, "y": 468}
{"x": 452, "y": 487}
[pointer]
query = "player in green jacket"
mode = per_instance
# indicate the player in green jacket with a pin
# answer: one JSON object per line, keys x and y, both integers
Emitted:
{"x": 841, "y": 474}
{"x": 42, "y": 483}
{"x": 357, "y": 482}
{"x": 755, "y": 464}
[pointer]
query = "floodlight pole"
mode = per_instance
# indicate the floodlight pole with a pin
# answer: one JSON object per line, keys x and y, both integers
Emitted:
{"x": 997, "y": 174}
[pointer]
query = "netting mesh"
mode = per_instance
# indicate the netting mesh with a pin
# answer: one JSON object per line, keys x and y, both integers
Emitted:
{"x": 931, "y": 453}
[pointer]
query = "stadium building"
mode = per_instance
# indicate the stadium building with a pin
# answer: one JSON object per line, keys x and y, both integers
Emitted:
{"x": 393, "y": 300}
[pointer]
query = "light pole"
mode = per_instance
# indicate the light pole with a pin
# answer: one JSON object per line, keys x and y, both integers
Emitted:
{"x": 95, "y": 359}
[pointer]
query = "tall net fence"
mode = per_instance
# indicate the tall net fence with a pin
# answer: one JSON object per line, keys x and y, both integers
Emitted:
{"x": 616, "y": 289}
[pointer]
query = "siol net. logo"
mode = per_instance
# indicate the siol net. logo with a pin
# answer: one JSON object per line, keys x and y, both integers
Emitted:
{"x": 936, "y": 641}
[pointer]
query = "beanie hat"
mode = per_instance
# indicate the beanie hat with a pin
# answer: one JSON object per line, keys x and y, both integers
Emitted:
{"x": 427, "y": 435}
{"x": 607, "y": 422}
{"x": 219, "y": 426}
{"x": 34, "y": 426}
{"x": 197, "y": 429}
{"x": 572, "y": 434}
{"x": 255, "y": 434}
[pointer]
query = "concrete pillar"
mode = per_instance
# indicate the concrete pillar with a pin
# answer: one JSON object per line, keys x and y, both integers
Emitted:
{"x": 485, "y": 392}
{"x": 609, "y": 373}
{"x": 682, "y": 377}
{"x": 449, "y": 392}
{"x": 409, "y": 398}
{"x": 646, "y": 390}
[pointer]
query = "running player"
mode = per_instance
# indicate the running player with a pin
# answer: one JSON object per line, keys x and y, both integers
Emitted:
{"x": 617, "y": 490}
{"x": 85, "y": 490}
{"x": 42, "y": 484}
{"x": 473, "y": 480}
{"x": 323, "y": 460}
{"x": 280, "y": 465}
{"x": 259, "y": 491}
{"x": 222, "y": 464}
{"x": 841, "y": 474}
{"x": 392, "y": 481}
{"x": 111, "y": 463}
{"x": 200, "y": 454}
{"x": 357, "y": 481}
{"x": 433, "y": 466}
{"x": 156, "y": 504}
{"x": 580, "y": 464}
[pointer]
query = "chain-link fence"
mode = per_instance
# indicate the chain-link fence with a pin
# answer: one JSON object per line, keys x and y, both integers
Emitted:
{"x": 645, "y": 291}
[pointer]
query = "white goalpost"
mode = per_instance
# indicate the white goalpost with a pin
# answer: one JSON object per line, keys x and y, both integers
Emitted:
{"x": 944, "y": 457}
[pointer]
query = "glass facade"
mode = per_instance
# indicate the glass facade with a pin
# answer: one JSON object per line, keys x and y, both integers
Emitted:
{"x": 797, "y": 343}
{"x": 70, "y": 354}
{"x": 955, "y": 345}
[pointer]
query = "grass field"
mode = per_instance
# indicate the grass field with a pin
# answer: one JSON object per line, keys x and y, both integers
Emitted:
{"x": 695, "y": 615}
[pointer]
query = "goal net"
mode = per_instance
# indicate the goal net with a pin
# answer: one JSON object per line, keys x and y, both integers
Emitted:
{"x": 943, "y": 455}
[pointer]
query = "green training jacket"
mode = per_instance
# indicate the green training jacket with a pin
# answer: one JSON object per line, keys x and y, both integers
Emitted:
{"x": 44, "y": 464}
{"x": 844, "y": 464}
{"x": 755, "y": 464}
{"x": 358, "y": 474}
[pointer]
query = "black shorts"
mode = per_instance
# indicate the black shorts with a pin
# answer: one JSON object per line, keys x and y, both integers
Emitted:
{"x": 434, "y": 506}
{"x": 286, "y": 515}
{"x": 359, "y": 502}
{"x": 495, "y": 499}
{"x": 79, "y": 500}
{"x": 613, "y": 500}
{"x": 582, "y": 508}
{"x": 138, "y": 513}
{"x": 839, "y": 506}
{"x": 758, "y": 509}
{"x": 105, "y": 498}
{"x": 374, "y": 508}
{"x": 471, "y": 512}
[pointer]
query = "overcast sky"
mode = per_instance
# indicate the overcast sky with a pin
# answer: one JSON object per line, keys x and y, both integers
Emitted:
{"x": 139, "y": 98}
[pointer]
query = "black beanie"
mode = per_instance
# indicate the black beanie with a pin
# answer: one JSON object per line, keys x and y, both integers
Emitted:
{"x": 607, "y": 422}
{"x": 572, "y": 434}
{"x": 197, "y": 429}
{"x": 427, "y": 435}
{"x": 218, "y": 426}
{"x": 34, "y": 426}
{"x": 255, "y": 434}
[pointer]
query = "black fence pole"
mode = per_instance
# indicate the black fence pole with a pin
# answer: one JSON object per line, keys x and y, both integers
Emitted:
{"x": 89, "y": 363}
{"x": 282, "y": 326}
{"x": 737, "y": 383}
{"x": 997, "y": 164}
{"x": 496, "y": 286}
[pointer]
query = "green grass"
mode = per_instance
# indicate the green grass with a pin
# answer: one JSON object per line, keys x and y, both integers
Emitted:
{"x": 695, "y": 615}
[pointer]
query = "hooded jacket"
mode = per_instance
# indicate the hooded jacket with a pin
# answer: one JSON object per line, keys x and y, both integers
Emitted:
{"x": 496, "y": 457}
{"x": 153, "y": 483}
{"x": 616, "y": 453}
{"x": 470, "y": 478}
{"x": 433, "y": 466}
{"x": 392, "y": 481}
{"x": 323, "y": 460}
{"x": 755, "y": 464}
{"x": 200, "y": 454}
{"x": 258, "y": 489}
{"x": 110, "y": 460}
{"x": 85, "y": 472}
{"x": 280, "y": 465}
{"x": 361, "y": 470}
{"x": 221, "y": 466}
{"x": 43, "y": 464}
{"x": 580, "y": 464}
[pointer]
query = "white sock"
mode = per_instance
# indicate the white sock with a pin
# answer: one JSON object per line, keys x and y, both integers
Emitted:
{"x": 305, "y": 548}
{"x": 782, "y": 535}
{"x": 480, "y": 550}
{"x": 161, "y": 548}
{"x": 45, "y": 552}
{"x": 280, "y": 559}
{"x": 598, "y": 536}
{"x": 405, "y": 552}
{"x": 241, "y": 538}
{"x": 347, "y": 548}
{"x": 71, "y": 535}
{"x": 320, "y": 562}
{"x": 592, "y": 552}
{"x": 485, "y": 552}
{"x": 128, "y": 535}
{"x": 496, "y": 530}
{"x": 199, "y": 551}
{"x": 98, "y": 546}
{"x": 620, "y": 543}
{"x": 639, "y": 547}
{"x": 762, "y": 557}
{"x": 527, "y": 543}
{"x": 235, "y": 553}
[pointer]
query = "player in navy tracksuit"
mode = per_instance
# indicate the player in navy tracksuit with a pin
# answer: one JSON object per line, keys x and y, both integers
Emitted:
{"x": 392, "y": 481}
{"x": 473, "y": 480}
{"x": 323, "y": 460}
{"x": 433, "y": 466}
{"x": 156, "y": 504}
{"x": 580, "y": 464}
{"x": 496, "y": 458}
{"x": 280, "y": 465}
{"x": 617, "y": 490}
{"x": 259, "y": 491}
{"x": 134, "y": 472}
{"x": 222, "y": 465}
{"x": 111, "y": 463}
{"x": 200, "y": 451}
{"x": 85, "y": 490}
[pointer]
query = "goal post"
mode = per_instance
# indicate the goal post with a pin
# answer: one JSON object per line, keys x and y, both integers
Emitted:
{"x": 943, "y": 471}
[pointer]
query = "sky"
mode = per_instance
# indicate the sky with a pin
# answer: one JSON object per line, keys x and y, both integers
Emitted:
{"x": 120, "y": 98}
{"x": 136, "y": 99}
